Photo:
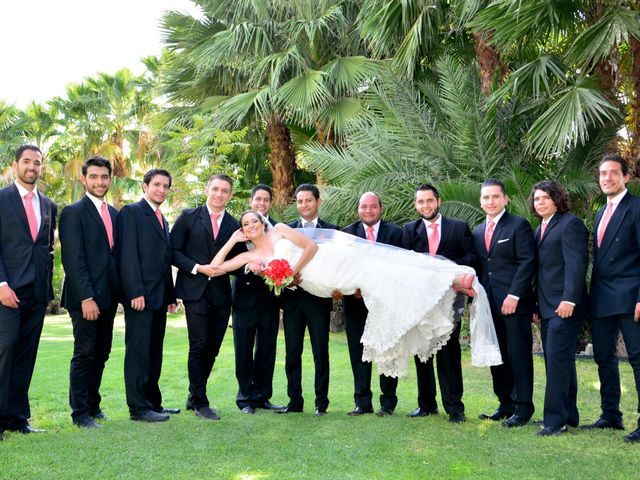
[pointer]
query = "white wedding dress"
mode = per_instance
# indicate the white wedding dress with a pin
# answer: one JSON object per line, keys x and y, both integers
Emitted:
{"x": 409, "y": 297}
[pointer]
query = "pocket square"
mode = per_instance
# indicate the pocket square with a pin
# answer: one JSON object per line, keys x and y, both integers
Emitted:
{"x": 504, "y": 240}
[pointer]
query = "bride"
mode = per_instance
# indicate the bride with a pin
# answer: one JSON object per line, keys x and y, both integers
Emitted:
{"x": 409, "y": 295}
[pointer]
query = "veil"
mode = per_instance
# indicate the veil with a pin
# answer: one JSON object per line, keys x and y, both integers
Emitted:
{"x": 485, "y": 350}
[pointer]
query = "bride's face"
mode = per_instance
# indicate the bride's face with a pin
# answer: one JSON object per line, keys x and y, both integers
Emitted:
{"x": 252, "y": 226}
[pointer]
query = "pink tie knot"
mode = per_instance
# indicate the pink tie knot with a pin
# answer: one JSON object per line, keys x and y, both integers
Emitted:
{"x": 370, "y": 236}
{"x": 215, "y": 216}
{"x": 214, "y": 224}
{"x": 29, "y": 196}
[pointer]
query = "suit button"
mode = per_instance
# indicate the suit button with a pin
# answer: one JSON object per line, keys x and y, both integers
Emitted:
{"x": 488, "y": 259}
{"x": 490, "y": 273}
{"x": 247, "y": 283}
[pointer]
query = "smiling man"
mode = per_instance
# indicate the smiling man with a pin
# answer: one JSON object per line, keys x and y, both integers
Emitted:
{"x": 196, "y": 237}
{"x": 147, "y": 284}
{"x": 27, "y": 223}
{"x": 91, "y": 289}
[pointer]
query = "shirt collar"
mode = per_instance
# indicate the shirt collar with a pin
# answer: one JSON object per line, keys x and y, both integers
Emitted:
{"x": 95, "y": 200}
{"x": 497, "y": 217}
{"x": 314, "y": 221}
{"x": 153, "y": 207}
{"x": 616, "y": 200}
{"x": 544, "y": 222}
{"x": 23, "y": 191}
{"x": 211, "y": 211}
{"x": 437, "y": 221}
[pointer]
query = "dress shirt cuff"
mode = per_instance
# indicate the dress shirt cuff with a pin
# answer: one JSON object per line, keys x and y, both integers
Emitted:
{"x": 2, "y": 284}
{"x": 194, "y": 270}
{"x": 570, "y": 303}
{"x": 87, "y": 299}
{"x": 514, "y": 297}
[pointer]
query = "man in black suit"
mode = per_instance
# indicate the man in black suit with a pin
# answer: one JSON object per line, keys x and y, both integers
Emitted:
{"x": 147, "y": 284}
{"x": 615, "y": 289}
{"x": 562, "y": 241}
{"x": 27, "y": 223}
{"x": 436, "y": 235}
{"x": 256, "y": 317}
{"x": 302, "y": 310}
{"x": 507, "y": 262}
{"x": 373, "y": 228}
{"x": 196, "y": 237}
{"x": 91, "y": 289}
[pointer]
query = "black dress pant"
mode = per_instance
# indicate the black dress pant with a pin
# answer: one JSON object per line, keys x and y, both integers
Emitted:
{"x": 207, "y": 325}
{"x": 513, "y": 380}
{"x": 605, "y": 335}
{"x": 91, "y": 349}
{"x": 143, "y": 339}
{"x": 362, "y": 395}
{"x": 311, "y": 312}
{"x": 255, "y": 336}
{"x": 559, "y": 339}
{"x": 20, "y": 330}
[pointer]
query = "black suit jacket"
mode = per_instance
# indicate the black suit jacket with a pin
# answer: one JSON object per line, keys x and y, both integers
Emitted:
{"x": 24, "y": 262}
{"x": 563, "y": 258}
{"x": 249, "y": 288}
{"x": 291, "y": 298}
{"x": 388, "y": 234}
{"x": 192, "y": 243}
{"x": 456, "y": 242}
{"x": 90, "y": 265}
{"x": 510, "y": 264}
{"x": 145, "y": 256}
{"x": 615, "y": 279}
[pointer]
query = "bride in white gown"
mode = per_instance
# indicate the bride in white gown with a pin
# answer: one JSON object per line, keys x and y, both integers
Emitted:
{"x": 409, "y": 295}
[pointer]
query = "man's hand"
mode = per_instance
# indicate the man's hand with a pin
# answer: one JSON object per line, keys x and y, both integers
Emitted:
{"x": 509, "y": 306}
{"x": 337, "y": 295}
{"x": 207, "y": 270}
{"x": 565, "y": 310}
{"x": 8, "y": 297}
{"x": 90, "y": 310}
{"x": 138, "y": 303}
{"x": 636, "y": 314}
{"x": 172, "y": 307}
{"x": 297, "y": 278}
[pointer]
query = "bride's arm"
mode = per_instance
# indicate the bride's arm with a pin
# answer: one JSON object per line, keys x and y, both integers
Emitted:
{"x": 309, "y": 247}
{"x": 237, "y": 261}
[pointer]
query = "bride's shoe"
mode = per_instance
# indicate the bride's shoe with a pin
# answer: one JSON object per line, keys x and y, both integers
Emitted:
{"x": 464, "y": 284}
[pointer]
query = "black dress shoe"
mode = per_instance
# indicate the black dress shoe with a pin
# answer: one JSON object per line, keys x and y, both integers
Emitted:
{"x": 248, "y": 409}
{"x": 495, "y": 416}
{"x": 85, "y": 421}
{"x": 633, "y": 436}
{"x": 548, "y": 431}
{"x": 288, "y": 409}
{"x": 321, "y": 412}
{"x": 384, "y": 412}
{"x": 189, "y": 404}
{"x": 515, "y": 421}
{"x": 457, "y": 418}
{"x": 356, "y": 412}
{"x": 267, "y": 405}
{"x": 602, "y": 423}
{"x": 206, "y": 413}
{"x": 150, "y": 416}
{"x": 99, "y": 415}
{"x": 421, "y": 412}
{"x": 172, "y": 411}
{"x": 25, "y": 428}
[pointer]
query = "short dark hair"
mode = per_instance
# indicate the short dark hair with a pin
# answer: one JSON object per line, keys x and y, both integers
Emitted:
{"x": 307, "y": 187}
{"x": 262, "y": 186}
{"x": 614, "y": 157}
{"x": 154, "y": 172}
{"x": 556, "y": 192}
{"x": 223, "y": 177}
{"x": 427, "y": 187}
{"x": 494, "y": 182}
{"x": 96, "y": 161}
{"x": 24, "y": 148}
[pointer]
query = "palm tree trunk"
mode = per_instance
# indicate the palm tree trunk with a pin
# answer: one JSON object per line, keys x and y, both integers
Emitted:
{"x": 327, "y": 137}
{"x": 635, "y": 107}
{"x": 489, "y": 60}
{"x": 282, "y": 161}
{"x": 604, "y": 69}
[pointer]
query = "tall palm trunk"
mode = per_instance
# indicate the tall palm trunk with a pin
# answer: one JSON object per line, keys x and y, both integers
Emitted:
{"x": 325, "y": 136}
{"x": 119, "y": 167}
{"x": 489, "y": 60}
{"x": 282, "y": 161}
{"x": 604, "y": 69}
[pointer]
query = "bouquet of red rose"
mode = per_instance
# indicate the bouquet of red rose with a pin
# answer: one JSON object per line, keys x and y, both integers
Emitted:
{"x": 278, "y": 275}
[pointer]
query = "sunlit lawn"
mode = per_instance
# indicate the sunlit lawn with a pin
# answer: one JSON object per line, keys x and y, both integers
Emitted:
{"x": 299, "y": 446}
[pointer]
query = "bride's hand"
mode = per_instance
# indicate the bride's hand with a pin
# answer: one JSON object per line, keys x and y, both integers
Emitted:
{"x": 255, "y": 267}
{"x": 238, "y": 236}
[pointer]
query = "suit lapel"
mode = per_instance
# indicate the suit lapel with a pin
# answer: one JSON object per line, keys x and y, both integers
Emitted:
{"x": 225, "y": 226}
{"x": 45, "y": 214}
{"x": 497, "y": 230}
{"x": 614, "y": 224}
{"x": 18, "y": 205}
{"x": 361, "y": 233}
{"x": 422, "y": 237}
{"x": 444, "y": 231}
{"x": 552, "y": 223}
{"x": 151, "y": 215}
{"x": 93, "y": 213}
{"x": 205, "y": 219}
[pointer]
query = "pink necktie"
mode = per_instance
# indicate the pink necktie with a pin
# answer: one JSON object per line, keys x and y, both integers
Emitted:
{"x": 604, "y": 222}
{"x": 488, "y": 234}
{"x": 370, "y": 236}
{"x": 214, "y": 224}
{"x": 159, "y": 217}
{"x": 31, "y": 215}
{"x": 434, "y": 238}
{"x": 106, "y": 219}
{"x": 543, "y": 228}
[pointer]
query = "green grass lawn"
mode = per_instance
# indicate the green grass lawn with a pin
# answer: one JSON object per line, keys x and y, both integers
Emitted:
{"x": 296, "y": 446}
